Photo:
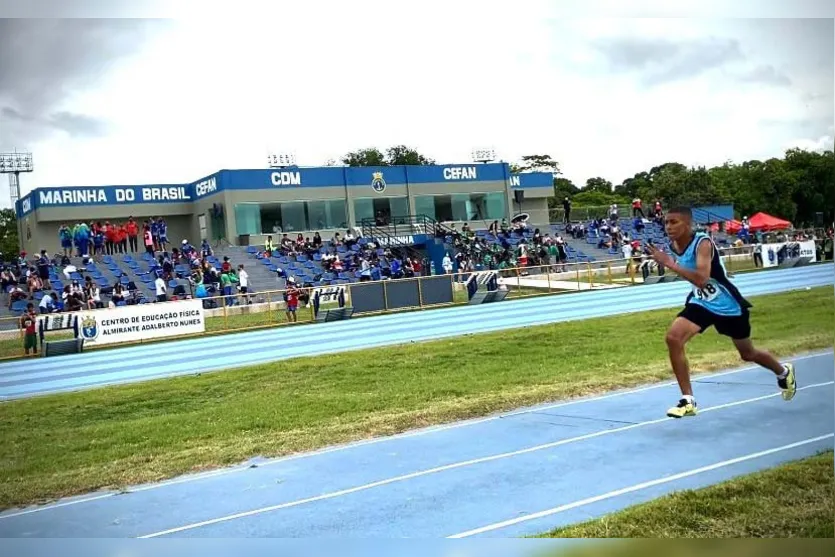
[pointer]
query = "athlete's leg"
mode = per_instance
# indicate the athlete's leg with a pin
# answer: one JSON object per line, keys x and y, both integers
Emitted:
{"x": 680, "y": 332}
{"x": 749, "y": 353}
{"x": 786, "y": 379}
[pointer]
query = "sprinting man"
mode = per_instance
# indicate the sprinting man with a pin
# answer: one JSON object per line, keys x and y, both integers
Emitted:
{"x": 713, "y": 301}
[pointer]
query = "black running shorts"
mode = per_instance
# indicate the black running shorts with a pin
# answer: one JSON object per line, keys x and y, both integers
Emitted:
{"x": 737, "y": 327}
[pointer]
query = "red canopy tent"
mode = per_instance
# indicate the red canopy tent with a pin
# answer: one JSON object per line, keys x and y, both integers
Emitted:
{"x": 765, "y": 222}
{"x": 733, "y": 226}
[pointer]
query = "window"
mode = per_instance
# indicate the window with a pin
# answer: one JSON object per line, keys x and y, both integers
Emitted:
{"x": 247, "y": 218}
{"x": 462, "y": 206}
{"x": 293, "y": 216}
{"x": 381, "y": 209}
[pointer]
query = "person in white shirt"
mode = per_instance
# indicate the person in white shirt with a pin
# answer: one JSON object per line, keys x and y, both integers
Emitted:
{"x": 626, "y": 248}
{"x": 243, "y": 283}
{"x": 69, "y": 270}
{"x": 94, "y": 297}
{"x": 162, "y": 288}
{"x": 47, "y": 304}
{"x": 447, "y": 264}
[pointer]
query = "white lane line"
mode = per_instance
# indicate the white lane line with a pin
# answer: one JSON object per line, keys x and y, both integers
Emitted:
{"x": 637, "y": 487}
{"x": 357, "y": 444}
{"x": 453, "y": 466}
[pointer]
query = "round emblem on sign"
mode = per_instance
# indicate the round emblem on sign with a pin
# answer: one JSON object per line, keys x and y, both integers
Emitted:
{"x": 378, "y": 183}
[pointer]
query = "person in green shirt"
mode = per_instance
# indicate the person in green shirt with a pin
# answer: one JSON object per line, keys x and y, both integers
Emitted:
{"x": 553, "y": 254}
{"x": 226, "y": 280}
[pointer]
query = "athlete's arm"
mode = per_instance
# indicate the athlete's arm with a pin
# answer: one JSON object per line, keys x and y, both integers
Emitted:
{"x": 700, "y": 276}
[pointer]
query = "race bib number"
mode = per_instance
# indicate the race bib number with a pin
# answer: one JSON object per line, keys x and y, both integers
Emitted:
{"x": 707, "y": 294}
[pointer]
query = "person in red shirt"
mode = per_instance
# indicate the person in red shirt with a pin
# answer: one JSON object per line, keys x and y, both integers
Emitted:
{"x": 132, "y": 230}
{"x": 28, "y": 322}
{"x": 291, "y": 297}
{"x": 110, "y": 238}
{"x": 122, "y": 238}
{"x": 637, "y": 207}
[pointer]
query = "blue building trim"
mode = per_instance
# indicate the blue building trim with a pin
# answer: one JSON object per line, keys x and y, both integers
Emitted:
{"x": 285, "y": 178}
{"x": 527, "y": 180}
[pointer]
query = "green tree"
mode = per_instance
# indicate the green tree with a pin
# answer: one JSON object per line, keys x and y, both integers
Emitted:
{"x": 402, "y": 155}
{"x": 598, "y": 185}
{"x": 9, "y": 242}
{"x": 365, "y": 157}
{"x": 564, "y": 187}
{"x": 395, "y": 156}
{"x": 815, "y": 184}
{"x": 587, "y": 198}
{"x": 536, "y": 163}
{"x": 631, "y": 187}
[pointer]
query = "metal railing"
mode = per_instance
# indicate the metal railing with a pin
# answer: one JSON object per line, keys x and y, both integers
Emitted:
{"x": 388, "y": 235}
{"x": 267, "y": 308}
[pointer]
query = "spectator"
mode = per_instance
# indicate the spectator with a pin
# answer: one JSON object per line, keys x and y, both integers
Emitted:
{"x": 291, "y": 298}
{"x": 132, "y": 230}
{"x": 161, "y": 289}
{"x": 28, "y": 324}
{"x": 7, "y": 279}
{"x": 65, "y": 235}
{"x": 206, "y": 249}
{"x": 15, "y": 294}
{"x": 122, "y": 238}
{"x": 82, "y": 238}
{"x": 637, "y": 209}
{"x": 227, "y": 277}
{"x": 243, "y": 282}
{"x": 162, "y": 228}
{"x": 149, "y": 240}
{"x": 447, "y": 264}
{"x": 43, "y": 266}
{"x": 47, "y": 304}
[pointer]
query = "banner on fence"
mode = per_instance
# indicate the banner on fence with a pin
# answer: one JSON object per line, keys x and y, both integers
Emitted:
{"x": 141, "y": 322}
{"x": 57, "y": 322}
{"x": 329, "y": 294}
{"x": 774, "y": 254}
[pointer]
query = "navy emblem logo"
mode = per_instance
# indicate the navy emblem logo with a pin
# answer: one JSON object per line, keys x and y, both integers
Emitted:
{"x": 378, "y": 183}
{"x": 89, "y": 329}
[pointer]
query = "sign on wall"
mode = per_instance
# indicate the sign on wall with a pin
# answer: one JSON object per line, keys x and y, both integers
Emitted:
{"x": 141, "y": 322}
{"x": 389, "y": 241}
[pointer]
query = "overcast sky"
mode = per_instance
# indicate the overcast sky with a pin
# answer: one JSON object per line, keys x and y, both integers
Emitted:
{"x": 132, "y": 101}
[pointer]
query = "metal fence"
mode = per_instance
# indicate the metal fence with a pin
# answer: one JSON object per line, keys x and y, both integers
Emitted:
{"x": 241, "y": 312}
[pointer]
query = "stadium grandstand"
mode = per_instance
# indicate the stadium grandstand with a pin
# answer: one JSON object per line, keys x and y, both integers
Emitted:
{"x": 262, "y": 230}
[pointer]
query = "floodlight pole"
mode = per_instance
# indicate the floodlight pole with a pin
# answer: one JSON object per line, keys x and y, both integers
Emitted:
{"x": 13, "y": 164}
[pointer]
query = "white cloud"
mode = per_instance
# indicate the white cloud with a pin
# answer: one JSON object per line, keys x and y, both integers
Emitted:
{"x": 217, "y": 92}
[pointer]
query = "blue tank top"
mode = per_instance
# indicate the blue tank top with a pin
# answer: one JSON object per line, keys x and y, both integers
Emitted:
{"x": 719, "y": 296}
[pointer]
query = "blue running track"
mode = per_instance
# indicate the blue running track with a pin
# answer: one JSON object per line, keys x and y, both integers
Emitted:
{"x": 39, "y": 376}
{"x": 501, "y": 476}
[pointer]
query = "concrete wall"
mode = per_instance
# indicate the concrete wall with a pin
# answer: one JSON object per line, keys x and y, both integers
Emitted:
{"x": 44, "y": 223}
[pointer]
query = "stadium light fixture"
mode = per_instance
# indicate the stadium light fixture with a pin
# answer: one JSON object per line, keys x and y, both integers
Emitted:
{"x": 13, "y": 164}
{"x": 281, "y": 160}
{"x": 484, "y": 155}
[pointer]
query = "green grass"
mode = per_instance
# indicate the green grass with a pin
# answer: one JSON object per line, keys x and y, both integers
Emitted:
{"x": 792, "y": 500}
{"x": 59, "y": 445}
